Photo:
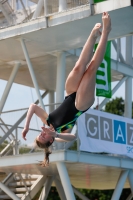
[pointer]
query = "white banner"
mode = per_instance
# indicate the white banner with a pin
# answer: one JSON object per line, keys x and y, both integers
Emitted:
{"x": 103, "y": 132}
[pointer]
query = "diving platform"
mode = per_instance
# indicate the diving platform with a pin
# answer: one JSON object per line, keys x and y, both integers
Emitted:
{"x": 85, "y": 170}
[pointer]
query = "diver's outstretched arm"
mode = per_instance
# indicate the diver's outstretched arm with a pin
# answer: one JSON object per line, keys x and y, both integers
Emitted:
{"x": 33, "y": 109}
{"x": 59, "y": 137}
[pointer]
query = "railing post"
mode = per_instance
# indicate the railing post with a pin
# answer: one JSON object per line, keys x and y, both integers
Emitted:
{"x": 62, "y": 5}
{"x": 45, "y": 8}
{"x": 92, "y": 7}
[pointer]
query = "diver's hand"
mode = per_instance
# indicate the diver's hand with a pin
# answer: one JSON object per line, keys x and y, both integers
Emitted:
{"x": 24, "y": 132}
{"x": 49, "y": 131}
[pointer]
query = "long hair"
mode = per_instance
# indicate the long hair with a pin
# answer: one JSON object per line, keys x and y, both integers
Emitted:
{"x": 47, "y": 152}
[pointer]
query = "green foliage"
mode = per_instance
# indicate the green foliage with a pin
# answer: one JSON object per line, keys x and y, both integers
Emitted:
{"x": 23, "y": 150}
{"x": 2, "y": 146}
{"x": 116, "y": 106}
{"x": 90, "y": 194}
{"x": 74, "y": 146}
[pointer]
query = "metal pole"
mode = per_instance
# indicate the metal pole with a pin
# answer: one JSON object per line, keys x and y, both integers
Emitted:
{"x": 129, "y": 197}
{"x": 92, "y": 7}
{"x": 14, "y": 5}
{"x": 128, "y": 83}
{"x": 8, "y": 192}
{"x": 120, "y": 54}
{"x": 118, "y": 48}
{"x": 120, "y": 185}
{"x": 32, "y": 72}
{"x": 46, "y": 188}
{"x": 51, "y": 101}
{"x": 60, "y": 83}
{"x": 60, "y": 189}
{"x": 45, "y": 8}
{"x": 79, "y": 194}
{"x": 38, "y": 9}
{"x": 8, "y": 86}
{"x": 62, "y": 5}
{"x": 60, "y": 80}
{"x": 16, "y": 145}
{"x": 5, "y": 14}
{"x": 65, "y": 181}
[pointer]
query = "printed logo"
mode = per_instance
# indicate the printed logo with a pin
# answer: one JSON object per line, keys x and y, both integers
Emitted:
{"x": 119, "y": 132}
{"x": 91, "y": 122}
{"x": 130, "y": 134}
{"x": 129, "y": 149}
{"x": 106, "y": 129}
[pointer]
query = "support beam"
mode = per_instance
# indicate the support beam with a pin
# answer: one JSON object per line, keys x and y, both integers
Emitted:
{"x": 51, "y": 101}
{"x": 60, "y": 189}
{"x": 118, "y": 48}
{"x": 60, "y": 84}
{"x": 79, "y": 194}
{"x": 5, "y": 13}
{"x": 65, "y": 180}
{"x": 128, "y": 83}
{"x": 130, "y": 178}
{"x": 39, "y": 7}
{"x": 62, "y": 5}
{"x": 120, "y": 185}
{"x": 92, "y": 7}
{"x": 128, "y": 98}
{"x": 103, "y": 103}
{"x": 24, "y": 9}
{"x": 120, "y": 54}
{"x": 8, "y": 192}
{"x": 46, "y": 188}
{"x": 123, "y": 68}
{"x": 129, "y": 197}
{"x": 60, "y": 81}
{"x": 8, "y": 86}
{"x": 45, "y": 8}
{"x": 32, "y": 72}
{"x": 14, "y": 5}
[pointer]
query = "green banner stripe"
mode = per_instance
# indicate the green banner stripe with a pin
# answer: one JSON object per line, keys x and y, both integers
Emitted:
{"x": 97, "y": 1}
{"x": 101, "y": 82}
{"x": 102, "y": 65}
{"x": 100, "y": 73}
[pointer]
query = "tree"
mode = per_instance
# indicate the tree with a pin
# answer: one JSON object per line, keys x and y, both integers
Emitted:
{"x": 116, "y": 106}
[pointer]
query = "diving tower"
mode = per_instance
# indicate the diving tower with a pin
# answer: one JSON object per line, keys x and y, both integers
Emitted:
{"x": 40, "y": 41}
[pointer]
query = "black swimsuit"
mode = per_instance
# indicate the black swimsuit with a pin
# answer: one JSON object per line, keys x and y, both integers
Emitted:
{"x": 65, "y": 116}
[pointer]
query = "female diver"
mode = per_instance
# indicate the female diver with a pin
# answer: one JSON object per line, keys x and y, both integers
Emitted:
{"x": 80, "y": 89}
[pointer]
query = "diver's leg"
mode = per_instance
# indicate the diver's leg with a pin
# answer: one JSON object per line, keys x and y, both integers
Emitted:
{"x": 85, "y": 93}
{"x": 75, "y": 76}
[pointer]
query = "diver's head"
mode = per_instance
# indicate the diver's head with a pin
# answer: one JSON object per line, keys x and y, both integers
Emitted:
{"x": 44, "y": 140}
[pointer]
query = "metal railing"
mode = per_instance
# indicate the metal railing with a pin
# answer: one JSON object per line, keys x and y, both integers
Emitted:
{"x": 53, "y": 6}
